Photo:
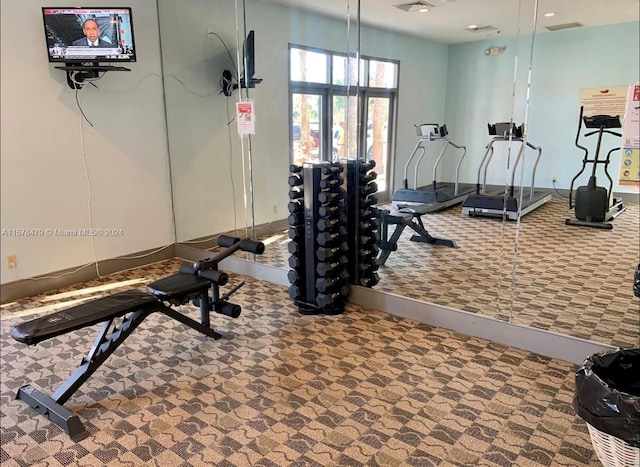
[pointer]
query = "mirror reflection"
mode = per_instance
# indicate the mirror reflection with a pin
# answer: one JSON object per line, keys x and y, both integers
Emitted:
{"x": 435, "y": 70}
{"x": 577, "y": 280}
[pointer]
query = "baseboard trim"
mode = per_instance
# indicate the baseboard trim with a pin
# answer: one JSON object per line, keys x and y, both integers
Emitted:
{"x": 542, "y": 342}
{"x": 211, "y": 241}
{"x": 12, "y": 291}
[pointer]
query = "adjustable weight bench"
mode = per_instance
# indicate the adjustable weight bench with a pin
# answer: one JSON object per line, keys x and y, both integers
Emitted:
{"x": 406, "y": 216}
{"x": 121, "y": 314}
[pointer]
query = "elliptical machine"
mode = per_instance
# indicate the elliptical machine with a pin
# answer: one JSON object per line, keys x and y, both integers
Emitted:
{"x": 595, "y": 206}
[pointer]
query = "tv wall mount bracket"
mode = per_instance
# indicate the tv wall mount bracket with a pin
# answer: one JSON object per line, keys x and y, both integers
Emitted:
{"x": 78, "y": 73}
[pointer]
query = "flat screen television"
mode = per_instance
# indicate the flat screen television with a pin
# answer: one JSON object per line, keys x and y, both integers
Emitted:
{"x": 81, "y": 35}
{"x": 249, "y": 80}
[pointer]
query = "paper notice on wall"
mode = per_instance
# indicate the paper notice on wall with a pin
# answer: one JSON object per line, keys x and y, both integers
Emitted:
{"x": 604, "y": 101}
{"x": 246, "y": 118}
{"x": 630, "y": 162}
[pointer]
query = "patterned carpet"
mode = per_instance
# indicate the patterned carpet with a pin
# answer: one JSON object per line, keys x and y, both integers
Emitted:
{"x": 571, "y": 280}
{"x": 358, "y": 389}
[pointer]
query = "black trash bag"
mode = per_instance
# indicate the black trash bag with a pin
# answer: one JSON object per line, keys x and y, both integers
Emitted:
{"x": 607, "y": 394}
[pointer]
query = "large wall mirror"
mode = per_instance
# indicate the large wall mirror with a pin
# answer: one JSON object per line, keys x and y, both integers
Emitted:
{"x": 577, "y": 280}
{"x": 459, "y": 64}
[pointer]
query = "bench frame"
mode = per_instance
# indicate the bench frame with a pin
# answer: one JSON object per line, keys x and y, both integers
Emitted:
{"x": 406, "y": 217}
{"x": 117, "y": 327}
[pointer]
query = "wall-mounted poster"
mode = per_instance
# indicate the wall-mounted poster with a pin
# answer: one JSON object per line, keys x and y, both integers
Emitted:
{"x": 604, "y": 101}
{"x": 630, "y": 166}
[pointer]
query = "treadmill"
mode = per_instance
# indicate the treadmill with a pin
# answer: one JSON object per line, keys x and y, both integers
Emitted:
{"x": 439, "y": 195}
{"x": 513, "y": 202}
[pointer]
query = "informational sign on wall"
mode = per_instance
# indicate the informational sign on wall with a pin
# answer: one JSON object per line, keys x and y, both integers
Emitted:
{"x": 604, "y": 101}
{"x": 246, "y": 118}
{"x": 630, "y": 165}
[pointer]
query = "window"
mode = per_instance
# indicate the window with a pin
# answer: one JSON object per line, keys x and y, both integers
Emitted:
{"x": 342, "y": 107}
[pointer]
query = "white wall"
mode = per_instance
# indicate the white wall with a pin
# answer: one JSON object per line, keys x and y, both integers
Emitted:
{"x": 60, "y": 173}
{"x": 563, "y": 63}
{"x": 206, "y": 161}
{"x": 479, "y": 90}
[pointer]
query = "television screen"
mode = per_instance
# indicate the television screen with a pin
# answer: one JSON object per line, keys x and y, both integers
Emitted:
{"x": 89, "y": 34}
{"x": 249, "y": 80}
{"x": 249, "y": 56}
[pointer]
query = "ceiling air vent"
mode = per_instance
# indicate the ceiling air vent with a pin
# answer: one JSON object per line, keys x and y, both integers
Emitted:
{"x": 480, "y": 29}
{"x": 414, "y": 6}
{"x": 560, "y": 27}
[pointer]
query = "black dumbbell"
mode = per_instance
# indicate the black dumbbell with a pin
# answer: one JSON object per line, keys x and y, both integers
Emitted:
{"x": 326, "y": 238}
{"x": 366, "y": 226}
{"x": 367, "y": 240}
{"x": 294, "y": 168}
{"x": 327, "y": 224}
{"x": 366, "y": 166}
{"x": 326, "y": 197}
{"x": 369, "y": 177}
{"x": 296, "y": 218}
{"x": 296, "y": 232}
{"x": 295, "y": 180}
{"x": 369, "y": 280}
{"x": 324, "y": 267}
{"x": 329, "y": 210}
{"x": 331, "y": 169}
{"x": 323, "y": 284}
{"x": 369, "y": 189}
{"x": 325, "y": 254}
{"x": 366, "y": 214}
{"x": 371, "y": 250}
{"x": 295, "y": 291}
{"x": 294, "y": 248}
{"x": 296, "y": 193}
{"x": 294, "y": 277}
{"x": 295, "y": 205}
{"x": 295, "y": 262}
{"x": 329, "y": 183}
{"x": 369, "y": 201}
{"x": 323, "y": 300}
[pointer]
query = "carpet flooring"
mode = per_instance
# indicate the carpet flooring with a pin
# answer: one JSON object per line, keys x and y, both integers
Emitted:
{"x": 362, "y": 388}
{"x": 541, "y": 273}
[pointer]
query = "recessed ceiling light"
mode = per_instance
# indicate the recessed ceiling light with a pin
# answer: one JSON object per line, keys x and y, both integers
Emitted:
{"x": 549, "y": 15}
{"x": 423, "y": 10}
{"x": 472, "y": 26}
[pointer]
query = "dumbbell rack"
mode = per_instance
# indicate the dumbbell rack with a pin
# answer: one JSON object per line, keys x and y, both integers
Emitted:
{"x": 318, "y": 275}
{"x": 361, "y": 222}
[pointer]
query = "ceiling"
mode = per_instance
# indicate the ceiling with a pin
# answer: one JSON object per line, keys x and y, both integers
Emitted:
{"x": 447, "y": 21}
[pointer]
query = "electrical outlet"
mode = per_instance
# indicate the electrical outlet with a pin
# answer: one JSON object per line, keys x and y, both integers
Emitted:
{"x": 12, "y": 261}
{"x": 275, "y": 208}
{"x": 554, "y": 179}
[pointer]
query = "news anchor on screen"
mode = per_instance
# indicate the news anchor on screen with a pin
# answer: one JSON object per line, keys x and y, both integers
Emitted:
{"x": 91, "y": 36}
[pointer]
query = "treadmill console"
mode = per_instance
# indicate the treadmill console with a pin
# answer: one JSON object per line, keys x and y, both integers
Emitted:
{"x": 432, "y": 131}
{"x": 506, "y": 129}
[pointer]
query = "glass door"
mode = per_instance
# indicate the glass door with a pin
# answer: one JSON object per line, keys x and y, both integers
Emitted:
{"x": 378, "y": 137}
{"x": 306, "y": 128}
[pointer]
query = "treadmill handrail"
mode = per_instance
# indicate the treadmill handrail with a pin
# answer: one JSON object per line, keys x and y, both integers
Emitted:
{"x": 439, "y": 159}
{"x": 521, "y": 152}
{"x": 406, "y": 166}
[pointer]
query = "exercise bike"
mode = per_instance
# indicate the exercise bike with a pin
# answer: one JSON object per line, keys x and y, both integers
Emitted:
{"x": 595, "y": 206}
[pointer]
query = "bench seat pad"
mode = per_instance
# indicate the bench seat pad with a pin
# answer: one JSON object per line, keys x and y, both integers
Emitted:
{"x": 80, "y": 316}
{"x": 179, "y": 288}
